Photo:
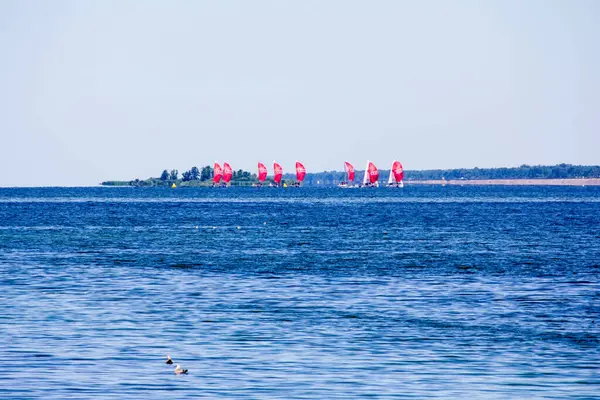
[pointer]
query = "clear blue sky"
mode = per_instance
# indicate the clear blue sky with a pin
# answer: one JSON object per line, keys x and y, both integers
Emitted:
{"x": 96, "y": 90}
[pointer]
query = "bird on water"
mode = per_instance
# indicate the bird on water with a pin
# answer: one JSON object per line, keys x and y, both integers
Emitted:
{"x": 169, "y": 361}
{"x": 179, "y": 370}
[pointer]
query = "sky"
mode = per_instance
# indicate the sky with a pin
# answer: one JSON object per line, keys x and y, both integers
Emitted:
{"x": 122, "y": 89}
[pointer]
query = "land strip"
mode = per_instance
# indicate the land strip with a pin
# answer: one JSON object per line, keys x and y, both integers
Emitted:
{"x": 509, "y": 182}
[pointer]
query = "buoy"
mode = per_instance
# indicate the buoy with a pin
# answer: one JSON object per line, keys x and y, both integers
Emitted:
{"x": 173, "y": 186}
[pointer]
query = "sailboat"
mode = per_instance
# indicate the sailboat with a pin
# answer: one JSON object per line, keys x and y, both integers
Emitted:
{"x": 349, "y": 169}
{"x": 262, "y": 173}
{"x": 217, "y": 174}
{"x": 300, "y": 173}
{"x": 396, "y": 178}
{"x": 278, "y": 173}
{"x": 370, "y": 179}
{"x": 227, "y": 173}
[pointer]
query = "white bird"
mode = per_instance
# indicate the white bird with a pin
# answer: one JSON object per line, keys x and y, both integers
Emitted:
{"x": 179, "y": 370}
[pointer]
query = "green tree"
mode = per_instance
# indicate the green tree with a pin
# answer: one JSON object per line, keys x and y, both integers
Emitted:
{"x": 164, "y": 176}
{"x": 174, "y": 174}
{"x": 206, "y": 173}
{"x": 195, "y": 173}
{"x": 186, "y": 176}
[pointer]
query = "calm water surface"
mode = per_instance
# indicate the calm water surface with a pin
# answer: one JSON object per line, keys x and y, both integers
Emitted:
{"x": 473, "y": 292}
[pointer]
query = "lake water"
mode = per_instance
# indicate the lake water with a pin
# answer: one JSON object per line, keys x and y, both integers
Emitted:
{"x": 421, "y": 292}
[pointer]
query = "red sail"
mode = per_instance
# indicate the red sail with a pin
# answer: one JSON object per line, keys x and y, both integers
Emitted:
{"x": 350, "y": 170}
{"x": 398, "y": 171}
{"x": 227, "y": 172}
{"x": 300, "y": 171}
{"x": 278, "y": 172}
{"x": 218, "y": 173}
{"x": 373, "y": 173}
{"x": 262, "y": 172}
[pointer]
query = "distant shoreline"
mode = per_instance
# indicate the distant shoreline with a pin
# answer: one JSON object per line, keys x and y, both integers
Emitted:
{"x": 550, "y": 175}
{"x": 509, "y": 182}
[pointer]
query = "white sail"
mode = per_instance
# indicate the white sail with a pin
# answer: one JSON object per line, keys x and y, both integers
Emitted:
{"x": 366, "y": 176}
{"x": 391, "y": 178}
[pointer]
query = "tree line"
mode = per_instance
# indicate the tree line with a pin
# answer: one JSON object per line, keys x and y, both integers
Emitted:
{"x": 192, "y": 177}
{"x": 560, "y": 171}
{"x": 196, "y": 176}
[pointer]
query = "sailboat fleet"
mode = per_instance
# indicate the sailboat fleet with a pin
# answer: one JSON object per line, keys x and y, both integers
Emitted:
{"x": 371, "y": 176}
{"x": 222, "y": 176}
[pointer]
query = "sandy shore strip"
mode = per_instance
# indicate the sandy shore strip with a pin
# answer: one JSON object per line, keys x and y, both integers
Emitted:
{"x": 511, "y": 182}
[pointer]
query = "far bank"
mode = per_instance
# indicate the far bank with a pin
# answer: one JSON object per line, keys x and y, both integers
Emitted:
{"x": 509, "y": 182}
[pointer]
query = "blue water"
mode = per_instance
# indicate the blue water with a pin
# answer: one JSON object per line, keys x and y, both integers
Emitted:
{"x": 421, "y": 292}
